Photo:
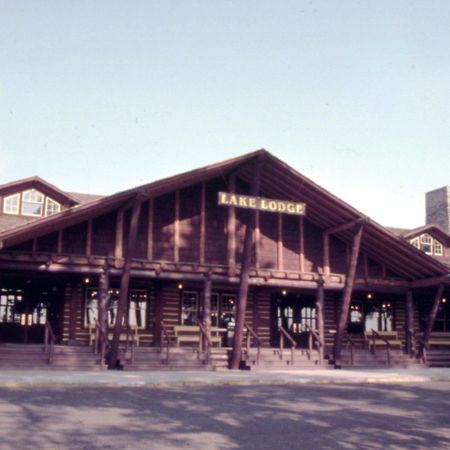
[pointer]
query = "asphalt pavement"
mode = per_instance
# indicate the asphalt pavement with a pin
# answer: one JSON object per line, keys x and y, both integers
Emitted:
{"x": 226, "y": 377}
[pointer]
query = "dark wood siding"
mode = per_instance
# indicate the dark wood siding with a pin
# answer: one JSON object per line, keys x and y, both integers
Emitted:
{"x": 338, "y": 256}
{"x": 313, "y": 247}
{"x": 291, "y": 242}
{"x": 48, "y": 243}
{"x": 190, "y": 210}
{"x": 216, "y": 224}
{"x": 103, "y": 234}
{"x": 163, "y": 227}
{"x": 74, "y": 239}
{"x": 268, "y": 240}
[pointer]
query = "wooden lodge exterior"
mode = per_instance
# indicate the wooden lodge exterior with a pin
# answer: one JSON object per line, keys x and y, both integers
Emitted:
{"x": 173, "y": 258}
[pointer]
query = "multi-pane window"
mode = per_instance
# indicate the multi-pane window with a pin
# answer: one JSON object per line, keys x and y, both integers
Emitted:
{"x": 30, "y": 203}
{"x": 379, "y": 316}
{"x": 51, "y": 207}
{"x": 189, "y": 308}
{"x": 428, "y": 244}
{"x": 11, "y": 301}
{"x": 137, "y": 307}
{"x": 11, "y": 204}
{"x": 437, "y": 248}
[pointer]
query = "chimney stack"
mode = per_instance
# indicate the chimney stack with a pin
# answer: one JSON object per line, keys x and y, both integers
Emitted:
{"x": 437, "y": 206}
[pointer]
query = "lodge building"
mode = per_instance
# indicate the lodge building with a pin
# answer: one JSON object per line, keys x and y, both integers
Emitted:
{"x": 245, "y": 263}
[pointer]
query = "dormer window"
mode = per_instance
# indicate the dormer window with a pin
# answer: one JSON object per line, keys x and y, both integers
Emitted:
{"x": 438, "y": 249}
{"x": 11, "y": 204}
{"x": 30, "y": 203}
{"x": 52, "y": 207}
{"x": 428, "y": 244}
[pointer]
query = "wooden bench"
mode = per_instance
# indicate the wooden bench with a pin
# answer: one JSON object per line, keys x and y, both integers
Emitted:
{"x": 439, "y": 338}
{"x": 122, "y": 337}
{"x": 190, "y": 334}
{"x": 390, "y": 336}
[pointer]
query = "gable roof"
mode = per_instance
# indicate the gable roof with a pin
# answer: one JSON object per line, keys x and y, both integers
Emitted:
{"x": 279, "y": 180}
{"x": 36, "y": 182}
{"x": 433, "y": 229}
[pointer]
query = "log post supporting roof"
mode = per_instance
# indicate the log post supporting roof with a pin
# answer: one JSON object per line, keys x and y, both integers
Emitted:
{"x": 347, "y": 293}
{"x": 245, "y": 270}
{"x": 433, "y": 313}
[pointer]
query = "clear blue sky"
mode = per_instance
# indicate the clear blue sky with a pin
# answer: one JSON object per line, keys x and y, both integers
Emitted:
{"x": 100, "y": 96}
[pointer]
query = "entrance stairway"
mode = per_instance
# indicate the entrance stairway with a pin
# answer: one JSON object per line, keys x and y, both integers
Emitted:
{"x": 32, "y": 356}
{"x": 438, "y": 356}
{"x": 273, "y": 359}
{"x": 364, "y": 359}
{"x": 180, "y": 358}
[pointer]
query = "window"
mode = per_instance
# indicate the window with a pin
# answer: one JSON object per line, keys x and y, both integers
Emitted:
{"x": 51, "y": 207}
{"x": 137, "y": 307}
{"x": 428, "y": 244}
{"x": 11, "y": 305}
{"x": 32, "y": 203}
{"x": 437, "y": 248}
{"x": 189, "y": 308}
{"x": 11, "y": 204}
{"x": 379, "y": 316}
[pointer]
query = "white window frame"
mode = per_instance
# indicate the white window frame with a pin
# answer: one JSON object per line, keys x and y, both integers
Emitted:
{"x": 33, "y": 202}
{"x": 49, "y": 201}
{"x": 6, "y": 208}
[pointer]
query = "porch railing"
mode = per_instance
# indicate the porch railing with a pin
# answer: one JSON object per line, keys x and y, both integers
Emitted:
{"x": 251, "y": 334}
{"x": 375, "y": 336}
{"x": 314, "y": 339}
{"x": 165, "y": 338}
{"x": 49, "y": 341}
{"x": 204, "y": 343}
{"x": 285, "y": 335}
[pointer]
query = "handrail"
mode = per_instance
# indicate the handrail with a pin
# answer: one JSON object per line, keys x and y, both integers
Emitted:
{"x": 317, "y": 339}
{"x": 251, "y": 332}
{"x": 165, "y": 336}
{"x": 285, "y": 334}
{"x": 204, "y": 335}
{"x": 352, "y": 344}
{"x": 49, "y": 341}
{"x": 388, "y": 345}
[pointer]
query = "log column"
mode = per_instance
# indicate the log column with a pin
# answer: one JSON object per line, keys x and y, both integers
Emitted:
{"x": 103, "y": 298}
{"x": 347, "y": 294}
{"x": 433, "y": 313}
{"x": 207, "y": 308}
{"x": 245, "y": 271}
{"x": 320, "y": 300}
{"x": 125, "y": 281}
{"x": 231, "y": 231}
{"x": 410, "y": 342}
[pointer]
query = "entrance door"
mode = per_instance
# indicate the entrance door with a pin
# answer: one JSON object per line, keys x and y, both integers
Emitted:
{"x": 294, "y": 313}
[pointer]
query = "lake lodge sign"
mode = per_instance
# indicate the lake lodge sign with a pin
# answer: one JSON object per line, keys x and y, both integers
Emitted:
{"x": 261, "y": 204}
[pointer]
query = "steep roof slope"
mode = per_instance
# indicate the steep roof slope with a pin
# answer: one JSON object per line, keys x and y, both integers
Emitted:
{"x": 279, "y": 180}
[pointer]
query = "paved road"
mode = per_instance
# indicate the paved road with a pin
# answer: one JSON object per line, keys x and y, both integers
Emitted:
{"x": 370, "y": 416}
